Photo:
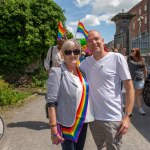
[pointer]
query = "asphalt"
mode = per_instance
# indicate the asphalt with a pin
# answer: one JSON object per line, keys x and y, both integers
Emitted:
{"x": 26, "y": 128}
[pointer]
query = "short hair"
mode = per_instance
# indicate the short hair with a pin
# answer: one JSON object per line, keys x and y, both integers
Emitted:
{"x": 71, "y": 43}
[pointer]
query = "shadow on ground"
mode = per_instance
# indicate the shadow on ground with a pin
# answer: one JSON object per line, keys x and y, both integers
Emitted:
{"x": 34, "y": 125}
{"x": 141, "y": 122}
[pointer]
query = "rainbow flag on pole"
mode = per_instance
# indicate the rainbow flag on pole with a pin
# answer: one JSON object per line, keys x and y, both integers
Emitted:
{"x": 82, "y": 29}
{"x": 61, "y": 30}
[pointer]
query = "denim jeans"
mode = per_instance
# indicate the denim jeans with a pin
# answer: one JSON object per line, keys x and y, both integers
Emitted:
{"x": 70, "y": 145}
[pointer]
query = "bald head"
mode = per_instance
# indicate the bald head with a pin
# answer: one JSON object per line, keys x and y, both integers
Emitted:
{"x": 94, "y": 32}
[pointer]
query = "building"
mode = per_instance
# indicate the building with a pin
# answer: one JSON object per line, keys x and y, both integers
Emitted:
{"x": 140, "y": 24}
{"x": 133, "y": 28}
{"x": 121, "y": 37}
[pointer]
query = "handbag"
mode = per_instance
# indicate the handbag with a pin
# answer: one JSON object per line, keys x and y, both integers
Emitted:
{"x": 51, "y": 60}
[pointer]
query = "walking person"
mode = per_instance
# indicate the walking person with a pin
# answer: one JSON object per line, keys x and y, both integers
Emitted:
{"x": 104, "y": 71}
{"x": 138, "y": 73}
{"x": 54, "y": 58}
{"x": 67, "y": 98}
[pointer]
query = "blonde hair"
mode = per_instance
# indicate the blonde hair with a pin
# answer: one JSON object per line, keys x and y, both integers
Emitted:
{"x": 69, "y": 44}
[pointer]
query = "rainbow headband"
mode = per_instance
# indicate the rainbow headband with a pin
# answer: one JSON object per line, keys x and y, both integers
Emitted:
{"x": 72, "y": 133}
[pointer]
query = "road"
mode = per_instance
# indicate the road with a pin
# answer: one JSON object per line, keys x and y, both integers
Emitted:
{"x": 26, "y": 128}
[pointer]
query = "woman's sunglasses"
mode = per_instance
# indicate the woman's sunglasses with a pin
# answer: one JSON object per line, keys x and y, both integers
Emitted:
{"x": 132, "y": 51}
{"x": 69, "y": 52}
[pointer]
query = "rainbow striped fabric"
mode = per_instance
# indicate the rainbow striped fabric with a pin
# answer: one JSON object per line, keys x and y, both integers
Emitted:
{"x": 61, "y": 30}
{"x": 72, "y": 133}
{"x": 81, "y": 29}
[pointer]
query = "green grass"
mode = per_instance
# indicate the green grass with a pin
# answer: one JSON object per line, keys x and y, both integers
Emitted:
{"x": 10, "y": 96}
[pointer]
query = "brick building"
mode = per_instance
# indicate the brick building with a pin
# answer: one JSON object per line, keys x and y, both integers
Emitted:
{"x": 140, "y": 24}
{"x": 133, "y": 28}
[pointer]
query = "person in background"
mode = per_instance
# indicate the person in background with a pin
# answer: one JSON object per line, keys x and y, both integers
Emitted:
{"x": 116, "y": 50}
{"x": 138, "y": 72}
{"x": 83, "y": 55}
{"x": 54, "y": 58}
{"x": 104, "y": 71}
{"x": 67, "y": 97}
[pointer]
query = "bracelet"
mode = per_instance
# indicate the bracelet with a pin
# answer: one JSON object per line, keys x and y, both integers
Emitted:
{"x": 53, "y": 125}
{"x": 54, "y": 135}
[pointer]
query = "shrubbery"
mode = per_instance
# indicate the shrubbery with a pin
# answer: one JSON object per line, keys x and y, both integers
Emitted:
{"x": 8, "y": 95}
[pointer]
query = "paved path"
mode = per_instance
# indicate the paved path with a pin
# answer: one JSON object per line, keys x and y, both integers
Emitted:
{"x": 26, "y": 128}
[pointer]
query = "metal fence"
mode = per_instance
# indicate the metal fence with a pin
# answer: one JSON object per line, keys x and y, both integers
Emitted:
{"x": 142, "y": 42}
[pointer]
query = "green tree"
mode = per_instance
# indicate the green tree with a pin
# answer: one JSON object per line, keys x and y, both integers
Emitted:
{"x": 27, "y": 29}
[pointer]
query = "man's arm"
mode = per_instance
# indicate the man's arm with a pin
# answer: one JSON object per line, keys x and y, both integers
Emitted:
{"x": 125, "y": 123}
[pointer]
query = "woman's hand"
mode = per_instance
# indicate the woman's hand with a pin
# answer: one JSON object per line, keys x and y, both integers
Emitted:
{"x": 56, "y": 138}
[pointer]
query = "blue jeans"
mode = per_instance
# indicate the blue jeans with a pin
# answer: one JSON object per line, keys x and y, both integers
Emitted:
{"x": 70, "y": 145}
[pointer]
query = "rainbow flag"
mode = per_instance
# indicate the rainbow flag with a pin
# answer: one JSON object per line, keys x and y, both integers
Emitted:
{"x": 72, "y": 133}
{"x": 61, "y": 30}
{"x": 82, "y": 29}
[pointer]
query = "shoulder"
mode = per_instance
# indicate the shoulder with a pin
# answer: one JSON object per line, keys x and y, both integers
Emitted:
{"x": 117, "y": 56}
{"x": 86, "y": 62}
{"x": 55, "y": 71}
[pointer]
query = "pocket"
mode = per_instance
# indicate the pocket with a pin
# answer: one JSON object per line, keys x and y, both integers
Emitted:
{"x": 115, "y": 125}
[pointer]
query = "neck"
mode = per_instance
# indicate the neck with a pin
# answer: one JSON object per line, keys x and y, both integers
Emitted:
{"x": 100, "y": 54}
{"x": 58, "y": 47}
{"x": 72, "y": 68}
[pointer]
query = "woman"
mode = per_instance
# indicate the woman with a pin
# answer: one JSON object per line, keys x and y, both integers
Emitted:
{"x": 67, "y": 98}
{"x": 138, "y": 73}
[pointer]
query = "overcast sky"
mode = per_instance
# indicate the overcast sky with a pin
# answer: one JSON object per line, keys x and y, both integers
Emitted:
{"x": 95, "y": 14}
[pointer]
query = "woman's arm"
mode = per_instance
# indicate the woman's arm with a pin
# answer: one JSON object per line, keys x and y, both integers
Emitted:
{"x": 53, "y": 85}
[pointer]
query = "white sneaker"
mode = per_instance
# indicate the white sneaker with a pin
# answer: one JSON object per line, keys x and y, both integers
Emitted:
{"x": 141, "y": 111}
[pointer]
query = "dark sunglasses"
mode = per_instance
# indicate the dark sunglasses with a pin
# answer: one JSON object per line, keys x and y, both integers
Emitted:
{"x": 69, "y": 52}
{"x": 132, "y": 51}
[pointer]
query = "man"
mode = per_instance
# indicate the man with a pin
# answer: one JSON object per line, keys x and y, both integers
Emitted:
{"x": 104, "y": 70}
{"x": 54, "y": 58}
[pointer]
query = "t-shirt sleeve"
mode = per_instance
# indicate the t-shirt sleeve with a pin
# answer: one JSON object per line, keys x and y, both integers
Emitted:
{"x": 122, "y": 68}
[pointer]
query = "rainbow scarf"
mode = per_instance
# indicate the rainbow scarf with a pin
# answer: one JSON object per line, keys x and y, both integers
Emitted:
{"x": 72, "y": 133}
{"x": 61, "y": 31}
{"x": 82, "y": 30}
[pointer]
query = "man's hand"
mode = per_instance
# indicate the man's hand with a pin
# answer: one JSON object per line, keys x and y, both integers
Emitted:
{"x": 124, "y": 126}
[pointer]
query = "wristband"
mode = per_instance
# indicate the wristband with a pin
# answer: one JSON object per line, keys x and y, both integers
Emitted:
{"x": 53, "y": 125}
{"x": 54, "y": 135}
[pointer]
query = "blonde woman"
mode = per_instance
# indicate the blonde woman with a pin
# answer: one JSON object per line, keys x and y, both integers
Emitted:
{"x": 67, "y": 97}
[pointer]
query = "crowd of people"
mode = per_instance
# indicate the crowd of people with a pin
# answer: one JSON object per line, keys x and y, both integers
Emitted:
{"x": 90, "y": 93}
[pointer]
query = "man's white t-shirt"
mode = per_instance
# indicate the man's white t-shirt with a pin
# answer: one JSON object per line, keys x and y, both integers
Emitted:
{"x": 104, "y": 77}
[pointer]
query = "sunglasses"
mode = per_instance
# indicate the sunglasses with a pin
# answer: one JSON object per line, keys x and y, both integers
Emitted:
{"x": 69, "y": 52}
{"x": 132, "y": 51}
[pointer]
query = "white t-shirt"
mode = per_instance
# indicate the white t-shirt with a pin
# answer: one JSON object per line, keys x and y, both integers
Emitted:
{"x": 56, "y": 58}
{"x": 104, "y": 78}
{"x": 90, "y": 113}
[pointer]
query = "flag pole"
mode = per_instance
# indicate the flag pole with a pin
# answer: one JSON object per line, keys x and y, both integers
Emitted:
{"x": 77, "y": 29}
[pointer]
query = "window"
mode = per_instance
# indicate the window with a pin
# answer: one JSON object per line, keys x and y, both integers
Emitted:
{"x": 139, "y": 11}
{"x": 145, "y": 7}
{"x": 133, "y": 25}
{"x": 145, "y": 20}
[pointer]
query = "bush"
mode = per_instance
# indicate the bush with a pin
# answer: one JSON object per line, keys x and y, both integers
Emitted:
{"x": 39, "y": 78}
{"x": 8, "y": 95}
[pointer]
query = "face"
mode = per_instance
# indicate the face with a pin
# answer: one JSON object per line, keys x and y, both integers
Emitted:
{"x": 95, "y": 42}
{"x": 71, "y": 54}
{"x": 133, "y": 52}
{"x": 61, "y": 41}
